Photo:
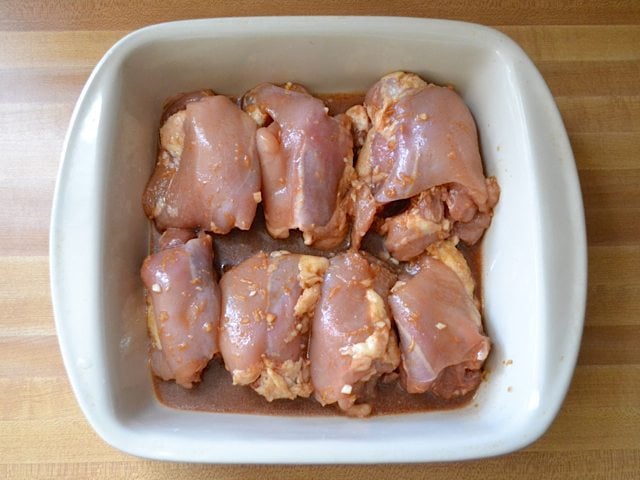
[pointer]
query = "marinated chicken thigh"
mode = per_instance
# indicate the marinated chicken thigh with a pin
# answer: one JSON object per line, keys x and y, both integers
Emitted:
{"x": 441, "y": 338}
{"x": 208, "y": 174}
{"x": 352, "y": 342}
{"x": 306, "y": 158}
{"x": 184, "y": 309}
{"x": 422, "y": 137}
{"x": 409, "y": 233}
{"x": 267, "y": 302}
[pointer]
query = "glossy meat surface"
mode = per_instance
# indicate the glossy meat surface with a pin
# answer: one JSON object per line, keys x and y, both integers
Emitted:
{"x": 408, "y": 234}
{"x": 422, "y": 136}
{"x": 306, "y": 158}
{"x": 352, "y": 342}
{"x": 441, "y": 339}
{"x": 267, "y": 303}
{"x": 208, "y": 174}
{"x": 184, "y": 312}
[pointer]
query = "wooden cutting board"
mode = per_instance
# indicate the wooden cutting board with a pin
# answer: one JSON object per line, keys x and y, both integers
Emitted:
{"x": 589, "y": 54}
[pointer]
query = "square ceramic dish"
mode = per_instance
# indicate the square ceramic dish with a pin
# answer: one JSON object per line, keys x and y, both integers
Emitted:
{"x": 534, "y": 253}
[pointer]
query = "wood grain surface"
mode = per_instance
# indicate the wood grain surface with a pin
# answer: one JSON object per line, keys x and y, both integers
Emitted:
{"x": 588, "y": 52}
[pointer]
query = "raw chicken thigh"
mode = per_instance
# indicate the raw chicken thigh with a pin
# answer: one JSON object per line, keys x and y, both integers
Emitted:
{"x": 412, "y": 231}
{"x": 184, "y": 311}
{"x": 441, "y": 339}
{"x": 352, "y": 342}
{"x": 208, "y": 174}
{"x": 422, "y": 137}
{"x": 306, "y": 158}
{"x": 267, "y": 302}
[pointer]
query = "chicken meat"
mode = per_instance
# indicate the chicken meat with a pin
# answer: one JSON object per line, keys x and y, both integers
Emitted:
{"x": 352, "y": 341}
{"x": 267, "y": 304}
{"x": 409, "y": 233}
{"x": 184, "y": 306}
{"x": 438, "y": 319}
{"x": 207, "y": 175}
{"x": 307, "y": 163}
{"x": 423, "y": 145}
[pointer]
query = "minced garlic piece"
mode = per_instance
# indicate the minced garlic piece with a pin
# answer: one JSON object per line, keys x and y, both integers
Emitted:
{"x": 374, "y": 345}
{"x": 398, "y": 285}
{"x": 152, "y": 326}
{"x": 271, "y": 319}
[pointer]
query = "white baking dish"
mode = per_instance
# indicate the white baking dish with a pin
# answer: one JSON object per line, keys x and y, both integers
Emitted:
{"x": 534, "y": 253}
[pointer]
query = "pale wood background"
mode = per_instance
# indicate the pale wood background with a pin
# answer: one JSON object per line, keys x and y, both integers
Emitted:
{"x": 589, "y": 53}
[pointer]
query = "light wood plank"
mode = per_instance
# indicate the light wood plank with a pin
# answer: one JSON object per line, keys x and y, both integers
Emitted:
{"x": 28, "y": 173}
{"x": 33, "y": 15}
{"x": 52, "y": 441}
{"x": 614, "y": 266}
{"x": 26, "y": 221}
{"x": 35, "y": 128}
{"x": 577, "y": 43}
{"x": 611, "y": 202}
{"x": 81, "y": 49}
{"x": 25, "y": 297}
{"x": 594, "y": 386}
{"x": 36, "y": 398}
{"x": 59, "y": 84}
{"x": 613, "y": 226}
{"x": 542, "y": 43}
{"x": 599, "y": 410}
{"x": 610, "y": 345}
{"x": 611, "y": 189}
{"x": 613, "y": 304}
{"x": 30, "y": 356}
{"x": 614, "y": 465}
{"x": 605, "y": 151}
{"x": 585, "y": 78}
{"x": 619, "y": 114}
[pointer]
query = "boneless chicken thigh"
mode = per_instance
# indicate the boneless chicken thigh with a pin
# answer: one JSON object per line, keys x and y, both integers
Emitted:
{"x": 409, "y": 233}
{"x": 184, "y": 309}
{"x": 207, "y": 175}
{"x": 422, "y": 137}
{"x": 352, "y": 342}
{"x": 441, "y": 338}
{"x": 268, "y": 301}
{"x": 306, "y": 158}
